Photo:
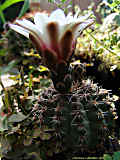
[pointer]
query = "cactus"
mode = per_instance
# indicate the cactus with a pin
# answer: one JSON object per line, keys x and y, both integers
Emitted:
{"x": 81, "y": 119}
{"x": 80, "y": 123}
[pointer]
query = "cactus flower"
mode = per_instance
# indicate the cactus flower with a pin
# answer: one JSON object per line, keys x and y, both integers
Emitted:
{"x": 54, "y": 36}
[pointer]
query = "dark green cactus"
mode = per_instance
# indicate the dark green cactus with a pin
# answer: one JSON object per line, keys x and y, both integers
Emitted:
{"x": 79, "y": 123}
{"x": 78, "y": 118}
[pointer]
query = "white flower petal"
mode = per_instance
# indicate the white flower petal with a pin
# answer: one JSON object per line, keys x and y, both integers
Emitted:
{"x": 76, "y": 28}
{"x": 40, "y": 20}
{"x": 71, "y": 27}
{"x": 29, "y": 26}
{"x": 77, "y": 13}
{"x": 19, "y": 30}
{"x": 34, "y": 29}
{"x": 58, "y": 16}
{"x": 69, "y": 18}
{"x": 73, "y": 23}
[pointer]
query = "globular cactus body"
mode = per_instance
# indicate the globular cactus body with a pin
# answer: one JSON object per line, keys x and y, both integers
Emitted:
{"x": 78, "y": 118}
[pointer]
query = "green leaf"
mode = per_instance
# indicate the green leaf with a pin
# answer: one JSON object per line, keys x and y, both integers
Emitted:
{"x": 10, "y": 65}
{"x": 2, "y": 17}
{"x": 3, "y": 123}
{"x": 24, "y": 8}
{"x": 116, "y": 156}
{"x": 8, "y": 3}
{"x": 3, "y": 52}
{"x": 107, "y": 157}
{"x": 17, "y": 117}
{"x": 63, "y": 1}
